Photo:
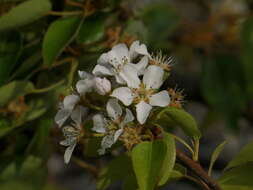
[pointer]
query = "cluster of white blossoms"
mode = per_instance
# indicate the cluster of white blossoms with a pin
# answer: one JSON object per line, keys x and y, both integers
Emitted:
{"x": 129, "y": 79}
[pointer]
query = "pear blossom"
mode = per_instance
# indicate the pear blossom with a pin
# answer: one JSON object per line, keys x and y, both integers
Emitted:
{"x": 90, "y": 82}
{"x": 145, "y": 96}
{"x": 102, "y": 85}
{"x": 66, "y": 109}
{"x": 73, "y": 132}
{"x": 164, "y": 62}
{"x": 112, "y": 127}
{"x": 118, "y": 62}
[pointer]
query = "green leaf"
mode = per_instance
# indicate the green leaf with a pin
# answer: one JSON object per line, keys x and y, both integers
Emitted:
{"x": 14, "y": 89}
{"x": 5, "y": 127}
{"x": 243, "y": 157}
{"x": 177, "y": 173}
{"x": 169, "y": 159}
{"x": 247, "y": 48}
{"x": 59, "y": 35}
{"x": 174, "y": 116}
{"x": 215, "y": 155}
{"x": 92, "y": 29}
{"x": 153, "y": 162}
{"x": 159, "y": 18}
{"x": 40, "y": 139}
{"x": 137, "y": 29}
{"x": 10, "y": 48}
{"x": 227, "y": 86}
{"x": 25, "y": 13}
{"x": 116, "y": 170}
{"x": 235, "y": 187}
{"x": 239, "y": 176}
{"x": 28, "y": 175}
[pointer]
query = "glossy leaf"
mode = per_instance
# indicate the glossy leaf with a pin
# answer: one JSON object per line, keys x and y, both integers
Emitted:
{"x": 92, "y": 29}
{"x": 169, "y": 159}
{"x": 235, "y": 187}
{"x": 215, "y": 155}
{"x": 25, "y": 13}
{"x": 159, "y": 18}
{"x": 239, "y": 176}
{"x": 114, "y": 171}
{"x": 179, "y": 117}
{"x": 243, "y": 157}
{"x": 227, "y": 86}
{"x": 5, "y": 127}
{"x": 153, "y": 162}
{"x": 59, "y": 34}
{"x": 247, "y": 58}
{"x": 10, "y": 48}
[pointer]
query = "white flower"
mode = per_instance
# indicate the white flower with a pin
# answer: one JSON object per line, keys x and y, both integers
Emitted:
{"x": 118, "y": 62}
{"x": 164, "y": 62}
{"x": 145, "y": 95}
{"x": 73, "y": 132}
{"x": 89, "y": 83}
{"x": 112, "y": 127}
{"x": 86, "y": 83}
{"x": 66, "y": 109}
{"x": 102, "y": 85}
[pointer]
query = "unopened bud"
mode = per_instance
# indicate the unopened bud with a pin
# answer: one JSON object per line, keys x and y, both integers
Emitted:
{"x": 102, "y": 85}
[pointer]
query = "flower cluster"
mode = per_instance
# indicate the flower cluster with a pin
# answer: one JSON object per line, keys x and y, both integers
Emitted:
{"x": 127, "y": 82}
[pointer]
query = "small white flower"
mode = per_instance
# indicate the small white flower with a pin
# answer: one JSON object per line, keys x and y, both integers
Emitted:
{"x": 118, "y": 62}
{"x": 73, "y": 132}
{"x": 112, "y": 127}
{"x": 89, "y": 83}
{"x": 162, "y": 61}
{"x": 66, "y": 109}
{"x": 102, "y": 85}
{"x": 145, "y": 95}
{"x": 86, "y": 83}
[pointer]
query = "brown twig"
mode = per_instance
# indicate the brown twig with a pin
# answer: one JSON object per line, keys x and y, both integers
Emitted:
{"x": 86, "y": 166}
{"x": 196, "y": 168}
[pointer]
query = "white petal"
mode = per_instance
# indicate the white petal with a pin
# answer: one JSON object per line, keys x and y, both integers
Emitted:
{"x": 130, "y": 75}
{"x": 161, "y": 99}
{"x": 153, "y": 77}
{"x": 68, "y": 141}
{"x": 128, "y": 117}
{"x": 113, "y": 109}
{"x": 136, "y": 49}
{"x": 84, "y": 75}
{"x": 84, "y": 86}
{"x": 118, "y": 55}
{"x": 103, "y": 59}
{"x": 119, "y": 79}
{"x": 143, "y": 109}
{"x": 107, "y": 141}
{"x": 70, "y": 101}
{"x": 68, "y": 153}
{"x": 61, "y": 116}
{"x": 78, "y": 113}
{"x": 124, "y": 94}
{"x": 99, "y": 123}
{"x": 101, "y": 70}
{"x": 117, "y": 134}
{"x": 102, "y": 85}
{"x": 141, "y": 65}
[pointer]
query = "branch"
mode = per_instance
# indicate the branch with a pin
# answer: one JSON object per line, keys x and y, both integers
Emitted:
{"x": 196, "y": 168}
{"x": 86, "y": 166}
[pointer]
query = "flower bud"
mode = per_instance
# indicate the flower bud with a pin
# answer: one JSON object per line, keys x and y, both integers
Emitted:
{"x": 102, "y": 85}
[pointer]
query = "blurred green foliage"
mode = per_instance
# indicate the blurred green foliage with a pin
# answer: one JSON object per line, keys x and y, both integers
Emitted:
{"x": 41, "y": 50}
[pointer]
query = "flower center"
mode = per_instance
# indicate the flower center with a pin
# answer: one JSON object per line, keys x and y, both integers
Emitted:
{"x": 142, "y": 94}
